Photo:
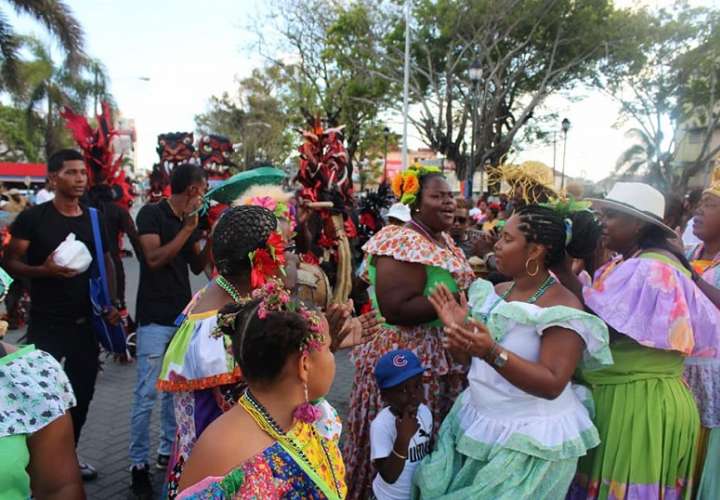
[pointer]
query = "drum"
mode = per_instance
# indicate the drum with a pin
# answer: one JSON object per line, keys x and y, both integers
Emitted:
{"x": 313, "y": 286}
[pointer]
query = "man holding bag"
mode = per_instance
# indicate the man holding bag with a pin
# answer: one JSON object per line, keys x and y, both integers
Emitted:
{"x": 61, "y": 311}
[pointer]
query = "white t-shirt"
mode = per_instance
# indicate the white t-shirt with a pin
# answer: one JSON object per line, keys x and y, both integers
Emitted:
{"x": 382, "y": 440}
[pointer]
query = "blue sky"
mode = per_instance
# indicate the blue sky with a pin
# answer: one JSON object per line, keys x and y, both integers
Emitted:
{"x": 192, "y": 50}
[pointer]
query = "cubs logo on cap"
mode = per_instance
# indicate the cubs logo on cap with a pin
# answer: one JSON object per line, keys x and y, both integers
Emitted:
{"x": 399, "y": 360}
{"x": 396, "y": 367}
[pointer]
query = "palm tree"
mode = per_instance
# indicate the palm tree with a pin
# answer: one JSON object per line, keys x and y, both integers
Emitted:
{"x": 56, "y": 16}
{"x": 47, "y": 86}
{"x": 645, "y": 158}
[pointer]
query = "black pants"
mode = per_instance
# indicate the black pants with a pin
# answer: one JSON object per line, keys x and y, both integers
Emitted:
{"x": 73, "y": 343}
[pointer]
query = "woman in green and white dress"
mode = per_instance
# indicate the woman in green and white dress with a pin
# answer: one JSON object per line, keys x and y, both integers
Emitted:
{"x": 520, "y": 427}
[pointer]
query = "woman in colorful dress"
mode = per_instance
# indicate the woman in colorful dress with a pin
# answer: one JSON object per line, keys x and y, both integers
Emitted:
{"x": 519, "y": 428}
{"x": 703, "y": 374}
{"x": 646, "y": 416}
{"x": 198, "y": 366}
{"x": 270, "y": 444}
{"x": 404, "y": 264}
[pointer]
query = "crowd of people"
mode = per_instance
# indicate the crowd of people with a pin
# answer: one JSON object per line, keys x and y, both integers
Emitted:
{"x": 531, "y": 344}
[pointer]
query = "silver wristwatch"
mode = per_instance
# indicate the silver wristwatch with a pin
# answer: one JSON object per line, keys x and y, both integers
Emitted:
{"x": 501, "y": 358}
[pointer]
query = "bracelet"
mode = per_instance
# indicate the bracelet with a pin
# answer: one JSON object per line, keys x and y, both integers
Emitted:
{"x": 492, "y": 352}
{"x": 398, "y": 454}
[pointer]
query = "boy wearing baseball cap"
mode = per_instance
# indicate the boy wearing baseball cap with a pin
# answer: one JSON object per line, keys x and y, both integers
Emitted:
{"x": 400, "y": 433}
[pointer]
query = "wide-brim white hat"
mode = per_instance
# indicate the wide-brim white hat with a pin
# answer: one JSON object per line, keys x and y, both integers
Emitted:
{"x": 637, "y": 199}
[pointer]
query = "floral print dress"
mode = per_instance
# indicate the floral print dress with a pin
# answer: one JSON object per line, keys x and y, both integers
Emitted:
{"x": 34, "y": 391}
{"x": 444, "y": 379}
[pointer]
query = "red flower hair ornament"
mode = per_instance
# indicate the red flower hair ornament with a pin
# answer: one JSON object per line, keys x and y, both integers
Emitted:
{"x": 266, "y": 262}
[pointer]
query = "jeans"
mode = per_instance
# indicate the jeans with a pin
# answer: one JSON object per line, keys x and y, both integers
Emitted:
{"x": 73, "y": 344}
{"x": 152, "y": 340}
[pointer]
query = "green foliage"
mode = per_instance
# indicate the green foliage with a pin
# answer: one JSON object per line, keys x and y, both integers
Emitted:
{"x": 255, "y": 119}
{"x": 17, "y": 142}
{"x": 47, "y": 86}
{"x": 56, "y": 17}
{"x": 669, "y": 88}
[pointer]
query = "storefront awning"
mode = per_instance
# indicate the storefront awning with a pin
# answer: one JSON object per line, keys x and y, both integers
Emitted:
{"x": 22, "y": 172}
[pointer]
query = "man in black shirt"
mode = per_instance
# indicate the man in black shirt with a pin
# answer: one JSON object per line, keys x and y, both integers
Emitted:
{"x": 170, "y": 243}
{"x": 60, "y": 308}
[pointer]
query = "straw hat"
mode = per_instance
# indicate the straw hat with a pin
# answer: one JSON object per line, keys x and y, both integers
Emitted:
{"x": 637, "y": 199}
{"x": 714, "y": 187}
{"x": 531, "y": 178}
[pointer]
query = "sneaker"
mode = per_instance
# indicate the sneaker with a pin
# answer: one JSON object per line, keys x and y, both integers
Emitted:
{"x": 87, "y": 472}
{"x": 162, "y": 461}
{"x": 141, "y": 486}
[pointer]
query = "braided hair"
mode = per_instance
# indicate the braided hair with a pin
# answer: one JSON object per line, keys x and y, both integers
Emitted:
{"x": 546, "y": 227}
{"x": 262, "y": 346}
{"x": 240, "y": 231}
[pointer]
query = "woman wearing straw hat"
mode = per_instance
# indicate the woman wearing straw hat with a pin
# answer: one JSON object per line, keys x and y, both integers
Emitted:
{"x": 703, "y": 375}
{"x": 646, "y": 416}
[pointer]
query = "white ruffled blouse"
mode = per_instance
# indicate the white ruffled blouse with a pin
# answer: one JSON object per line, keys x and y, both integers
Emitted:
{"x": 496, "y": 414}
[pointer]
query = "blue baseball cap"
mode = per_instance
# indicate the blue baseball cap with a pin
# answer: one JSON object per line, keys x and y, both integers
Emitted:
{"x": 395, "y": 367}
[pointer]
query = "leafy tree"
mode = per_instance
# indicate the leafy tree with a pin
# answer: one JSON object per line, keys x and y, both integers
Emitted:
{"x": 56, "y": 16}
{"x": 255, "y": 118}
{"x": 47, "y": 86}
{"x": 525, "y": 49}
{"x": 332, "y": 72}
{"x": 672, "y": 88}
{"x": 18, "y": 143}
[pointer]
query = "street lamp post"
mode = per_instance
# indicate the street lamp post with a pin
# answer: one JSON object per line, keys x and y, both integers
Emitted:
{"x": 475, "y": 75}
{"x": 565, "y": 128}
{"x": 386, "y": 132}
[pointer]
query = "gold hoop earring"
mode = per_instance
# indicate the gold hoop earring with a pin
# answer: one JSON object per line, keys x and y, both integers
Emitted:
{"x": 527, "y": 266}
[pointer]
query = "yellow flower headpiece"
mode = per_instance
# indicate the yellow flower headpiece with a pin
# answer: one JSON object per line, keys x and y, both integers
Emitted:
{"x": 714, "y": 187}
{"x": 406, "y": 184}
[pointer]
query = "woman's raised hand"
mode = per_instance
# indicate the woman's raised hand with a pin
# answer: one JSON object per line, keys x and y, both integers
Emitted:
{"x": 447, "y": 308}
{"x": 472, "y": 338}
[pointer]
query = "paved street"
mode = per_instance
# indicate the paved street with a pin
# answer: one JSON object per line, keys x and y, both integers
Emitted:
{"x": 104, "y": 441}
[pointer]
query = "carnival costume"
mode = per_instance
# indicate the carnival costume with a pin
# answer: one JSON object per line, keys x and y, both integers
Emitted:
{"x": 499, "y": 441}
{"x": 646, "y": 416}
{"x": 305, "y": 461}
{"x": 444, "y": 379}
{"x": 198, "y": 366}
{"x": 703, "y": 377}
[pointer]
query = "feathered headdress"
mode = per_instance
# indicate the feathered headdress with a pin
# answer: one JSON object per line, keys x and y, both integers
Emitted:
{"x": 96, "y": 145}
{"x": 323, "y": 170}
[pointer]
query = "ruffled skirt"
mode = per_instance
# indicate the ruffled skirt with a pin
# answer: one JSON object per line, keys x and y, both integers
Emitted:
{"x": 461, "y": 468}
{"x": 443, "y": 382}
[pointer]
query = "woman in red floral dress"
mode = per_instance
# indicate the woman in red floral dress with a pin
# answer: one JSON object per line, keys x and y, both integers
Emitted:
{"x": 405, "y": 263}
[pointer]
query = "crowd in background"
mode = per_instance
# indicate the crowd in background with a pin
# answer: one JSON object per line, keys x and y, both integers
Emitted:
{"x": 530, "y": 344}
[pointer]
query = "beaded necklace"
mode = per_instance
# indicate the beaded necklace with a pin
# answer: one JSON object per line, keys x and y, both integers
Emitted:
{"x": 268, "y": 424}
{"x": 426, "y": 233}
{"x": 229, "y": 289}
{"x": 550, "y": 281}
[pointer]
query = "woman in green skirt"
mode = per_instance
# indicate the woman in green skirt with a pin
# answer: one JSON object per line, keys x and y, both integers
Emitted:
{"x": 646, "y": 417}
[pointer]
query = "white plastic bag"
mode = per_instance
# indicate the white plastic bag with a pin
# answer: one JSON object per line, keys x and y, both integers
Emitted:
{"x": 73, "y": 254}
